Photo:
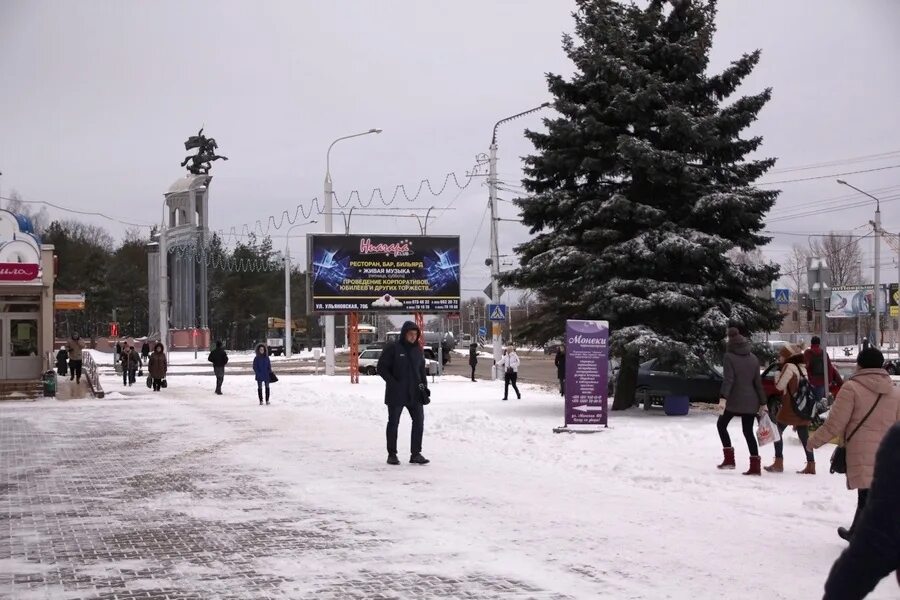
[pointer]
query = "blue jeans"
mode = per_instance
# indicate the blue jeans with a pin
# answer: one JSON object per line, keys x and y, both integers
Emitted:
{"x": 259, "y": 389}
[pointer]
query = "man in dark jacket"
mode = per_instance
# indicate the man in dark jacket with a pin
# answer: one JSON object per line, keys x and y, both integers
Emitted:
{"x": 815, "y": 361}
{"x": 402, "y": 366}
{"x": 874, "y": 550}
{"x": 560, "y": 362}
{"x": 473, "y": 358}
{"x": 219, "y": 359}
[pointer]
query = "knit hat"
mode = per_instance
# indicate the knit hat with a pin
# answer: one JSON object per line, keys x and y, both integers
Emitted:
{"x": 870, "y": 358}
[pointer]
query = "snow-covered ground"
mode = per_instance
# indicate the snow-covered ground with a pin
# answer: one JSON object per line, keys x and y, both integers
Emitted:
{"x": 635, "y": 511}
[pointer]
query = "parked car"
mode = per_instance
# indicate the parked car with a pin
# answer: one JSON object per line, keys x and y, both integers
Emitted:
{"x": 368, "y": 362}
{"x": 657, "y": 379}
{"x": 553, "y": 347}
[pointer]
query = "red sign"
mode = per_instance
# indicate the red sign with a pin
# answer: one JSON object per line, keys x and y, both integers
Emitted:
{"x": 18, "y": 272}
{"x": 113, "y": 330}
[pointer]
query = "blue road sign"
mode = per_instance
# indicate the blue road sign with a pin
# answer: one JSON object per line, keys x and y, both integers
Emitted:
{"x": 782, "y": 296}
{"x": 497, "y": 312}
{"x": 482, "y": 331}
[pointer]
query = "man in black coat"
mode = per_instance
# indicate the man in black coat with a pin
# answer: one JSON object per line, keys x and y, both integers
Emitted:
{"x": 875, "y": 548}
{"x": 560, "y": 362}
{"x": 402, "y": 366}
{"x": 219, "y": 358}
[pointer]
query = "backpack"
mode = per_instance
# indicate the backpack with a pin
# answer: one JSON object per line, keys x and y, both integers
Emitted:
{"x": 805, "y": 401}
{"x": 817, "y": 365}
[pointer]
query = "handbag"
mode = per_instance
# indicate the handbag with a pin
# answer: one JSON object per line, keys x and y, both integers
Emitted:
{"x": 839, "y": 456}
{"x": 273, "y": 378}
{"x": 149, "y": 381}
{"x": 163, "y": 384}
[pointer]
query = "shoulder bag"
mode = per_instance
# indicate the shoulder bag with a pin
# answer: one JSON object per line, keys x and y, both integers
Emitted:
{"x": 839, "y": 456}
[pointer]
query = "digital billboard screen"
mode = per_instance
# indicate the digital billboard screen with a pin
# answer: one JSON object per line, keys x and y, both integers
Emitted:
{"x": 384, "y": 273}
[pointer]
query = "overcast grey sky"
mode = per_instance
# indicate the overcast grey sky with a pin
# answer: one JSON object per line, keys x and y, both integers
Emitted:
{"x": 98, "y": 97}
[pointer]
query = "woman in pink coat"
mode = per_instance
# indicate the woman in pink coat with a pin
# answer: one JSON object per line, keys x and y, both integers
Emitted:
{"x": 868, "y": 392}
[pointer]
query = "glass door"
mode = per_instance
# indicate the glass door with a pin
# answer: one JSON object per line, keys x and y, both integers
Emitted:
{"x": 23, "y": 359}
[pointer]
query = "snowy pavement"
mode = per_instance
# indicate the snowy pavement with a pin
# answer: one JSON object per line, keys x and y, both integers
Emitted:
{"x": 184, "y": 494}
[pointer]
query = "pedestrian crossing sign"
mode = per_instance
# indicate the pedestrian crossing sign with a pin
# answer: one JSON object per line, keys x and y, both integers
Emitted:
{"x": 497, "y": 312}
{"x": 782, "y": 296}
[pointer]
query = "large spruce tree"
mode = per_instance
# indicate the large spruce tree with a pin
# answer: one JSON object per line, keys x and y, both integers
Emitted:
{"x": 641, "y": 189}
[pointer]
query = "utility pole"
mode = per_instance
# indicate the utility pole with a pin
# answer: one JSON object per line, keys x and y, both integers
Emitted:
{"x": 495, "y": 247}
{"x": 288, "y": 346}
{"x": 877, "y": 277}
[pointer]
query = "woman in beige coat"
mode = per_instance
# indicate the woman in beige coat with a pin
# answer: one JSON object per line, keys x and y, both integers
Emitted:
{"x": 869, "y": 385}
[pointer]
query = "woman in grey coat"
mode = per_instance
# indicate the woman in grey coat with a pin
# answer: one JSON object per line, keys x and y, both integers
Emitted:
{"x": 743, "y": 395}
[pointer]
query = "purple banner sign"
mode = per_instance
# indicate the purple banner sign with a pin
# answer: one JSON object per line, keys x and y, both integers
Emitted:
{"x": 587, "y": 372}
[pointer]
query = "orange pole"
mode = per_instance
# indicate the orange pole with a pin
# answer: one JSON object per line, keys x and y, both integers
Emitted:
{"x": 354, "y": 347}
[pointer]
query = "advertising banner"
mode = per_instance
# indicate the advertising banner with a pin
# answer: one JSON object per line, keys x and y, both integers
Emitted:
{"x": 384, "y": 273}
{"x": 853, "y": 301}
{"x": 587, "y": 372}
{"x": 70, "y": 301}
{"x": 19, "y": 271}
{"x": 894, "y": 302}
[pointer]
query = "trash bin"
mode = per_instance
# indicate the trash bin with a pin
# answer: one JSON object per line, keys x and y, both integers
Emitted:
{"x": 677, "y": 406}
{"x": 49, "y": 381}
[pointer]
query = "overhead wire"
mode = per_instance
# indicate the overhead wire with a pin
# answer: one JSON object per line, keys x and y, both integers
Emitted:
{"x": 75, "y": 211}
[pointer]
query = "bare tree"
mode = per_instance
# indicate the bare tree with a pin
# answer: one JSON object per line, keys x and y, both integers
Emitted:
{"x": 795, "y": 269}
{"x": 843, "y": 254}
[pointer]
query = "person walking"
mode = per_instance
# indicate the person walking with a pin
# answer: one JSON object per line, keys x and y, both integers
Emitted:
{"x": 560, "y": 362}
{"x": 262, "y": 368}
{"x": 145, "y": 350}
{"x": 743, "y": 396}
{"x": 62, "y": 361}
{"x": 118, "y": 351}
{"x": 875, "y": 549}
{"x": 473, "y": 358}
{"x": 816, "y": 362}
{"x": 157, "y": 366}
{"x": 865, "y": 408}
{"x": 402, "y": 366}
{"x": 127, "y": 359}
{"x": 510, "y": 364}
{"x": 134, "y": 365}
{"x": 219, "y": 358}
{"x": 793, "y": 372}
{"x": 76, "y": 355}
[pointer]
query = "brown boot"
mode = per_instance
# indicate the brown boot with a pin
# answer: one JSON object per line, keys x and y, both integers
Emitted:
{"x": 809, "y": 470}
{"x": 776, "y": 467}
{"x": 755, "y": 464}
{"x": 728, "y": 463}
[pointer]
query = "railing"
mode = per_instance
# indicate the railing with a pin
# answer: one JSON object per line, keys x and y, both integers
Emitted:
{"x": 91, "y": 373}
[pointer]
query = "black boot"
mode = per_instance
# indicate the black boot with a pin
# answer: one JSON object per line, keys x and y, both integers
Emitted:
{"x": 418, "y": 459}
{"x": 393, "y": 460}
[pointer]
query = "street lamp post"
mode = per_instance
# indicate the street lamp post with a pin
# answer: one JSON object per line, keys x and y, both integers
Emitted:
{"x": 287, "y": 289}
{"x": 329, "y": 227}
{"x": 877, "y": 276}
{"x": 495, "y": 248}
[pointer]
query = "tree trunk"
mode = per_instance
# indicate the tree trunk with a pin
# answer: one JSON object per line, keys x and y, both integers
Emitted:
{"x": 626, "y": 386}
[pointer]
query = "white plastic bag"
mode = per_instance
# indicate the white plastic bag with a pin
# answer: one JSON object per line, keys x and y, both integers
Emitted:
{"x": 767, "y": 432}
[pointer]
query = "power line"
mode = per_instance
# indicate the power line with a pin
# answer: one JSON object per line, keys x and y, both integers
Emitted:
{"x": 828, "y": 176}
{"x": 477, "y": 233}
{"x": 75, "y": 211}
{"x": 837, "y": 162}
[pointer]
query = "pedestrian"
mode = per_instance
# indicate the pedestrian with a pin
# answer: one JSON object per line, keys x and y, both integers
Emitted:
{"x": 560, "y": 362}
{"x": 402, "y": 366}
{"x": 473, "y": 358}
{"x": 743, "y": 396}
{"x": 126, "y": 360}
{"x": 158, "y": 366}
{"x": 262, "y": 368}
{"x": 134, "y": 365}
{"x": 118, "y": 351}
{"x": 815, "y": 360}
{"x": 793, "y": 372}
{"x": 510, "y": 365}
{"x": 865, "y": 408}
{"x": 76, "y": 355}
{"x": 145, "y": 350}
{"x": 874, "y": 550}
{"x": 62, "y": 361}
{"x": 219, "y": 359}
